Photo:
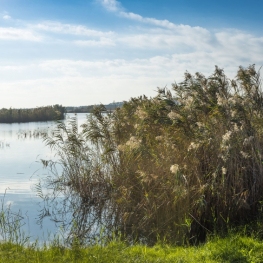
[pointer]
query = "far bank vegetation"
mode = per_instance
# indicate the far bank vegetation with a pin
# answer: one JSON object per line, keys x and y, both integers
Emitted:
{"x": 47, "y": 113}
{"x": 89, "y": 109}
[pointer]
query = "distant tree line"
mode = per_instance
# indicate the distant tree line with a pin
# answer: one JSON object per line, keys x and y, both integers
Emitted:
{"x": 46, "y": 113}
{"x": 89, "y": 108}
{"x": 80, "y": 109}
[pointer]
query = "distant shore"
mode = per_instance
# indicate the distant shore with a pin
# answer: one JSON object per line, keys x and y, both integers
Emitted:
{"x": 46, "y": 113}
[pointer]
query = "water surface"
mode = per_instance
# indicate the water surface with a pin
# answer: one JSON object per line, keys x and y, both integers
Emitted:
{"x": 21, "y": 151}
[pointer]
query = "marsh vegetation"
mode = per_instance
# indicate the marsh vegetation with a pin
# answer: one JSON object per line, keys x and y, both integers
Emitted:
{"x": 173, "y": 168}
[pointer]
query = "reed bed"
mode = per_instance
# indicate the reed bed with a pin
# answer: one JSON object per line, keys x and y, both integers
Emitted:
{"x": 174, "y": 168}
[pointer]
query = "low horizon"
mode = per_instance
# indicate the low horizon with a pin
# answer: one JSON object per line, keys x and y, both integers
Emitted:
{"x": 65, "y": 106}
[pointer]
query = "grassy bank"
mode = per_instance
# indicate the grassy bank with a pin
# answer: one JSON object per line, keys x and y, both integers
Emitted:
{"x": 231, "y": 249}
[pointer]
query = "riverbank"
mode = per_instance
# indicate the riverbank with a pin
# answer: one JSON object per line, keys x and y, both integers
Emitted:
{"x": 234, "y": 248}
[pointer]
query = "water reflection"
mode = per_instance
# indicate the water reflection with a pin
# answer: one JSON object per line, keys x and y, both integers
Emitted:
{"x": 4, "y": 144}
{"x": 21, "y": 149}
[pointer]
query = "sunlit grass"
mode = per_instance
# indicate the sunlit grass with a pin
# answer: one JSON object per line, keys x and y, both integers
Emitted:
{"x": 234, "y": 248}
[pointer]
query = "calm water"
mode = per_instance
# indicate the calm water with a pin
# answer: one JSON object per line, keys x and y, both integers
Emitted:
{"x": 20, "y": 170}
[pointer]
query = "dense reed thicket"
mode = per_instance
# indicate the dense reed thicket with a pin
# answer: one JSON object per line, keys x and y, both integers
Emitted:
{"x": 174, "y": 167}
{"x": 47, "y": 113}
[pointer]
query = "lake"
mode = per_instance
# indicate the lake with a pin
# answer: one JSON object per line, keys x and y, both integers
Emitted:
{"x": 21, "y": 149}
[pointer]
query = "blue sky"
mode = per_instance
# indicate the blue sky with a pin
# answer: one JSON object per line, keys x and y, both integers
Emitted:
{"x": 76, "y": 52}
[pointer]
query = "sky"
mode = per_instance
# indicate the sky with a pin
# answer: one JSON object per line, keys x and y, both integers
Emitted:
{"x": 83, "y": 52}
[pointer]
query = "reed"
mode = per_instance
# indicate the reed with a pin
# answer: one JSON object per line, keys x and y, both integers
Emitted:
{"x": 11, "y": 224}
{"x": 172, "y": 168}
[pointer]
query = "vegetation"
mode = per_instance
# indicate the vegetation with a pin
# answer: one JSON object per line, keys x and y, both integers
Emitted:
{"x": 89, "y": 109}
{"x": 229, "y": 250}
{"x": 15, "y": 246}
{"x": 80, "y": 109}
{"x": 47, "y": 113}
{"x": 172, "y": 168}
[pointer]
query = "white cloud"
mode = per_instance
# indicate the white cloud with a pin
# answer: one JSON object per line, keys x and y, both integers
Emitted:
{"x": 184, "y": 38}
{"x": 11, "y": 33}
{"x": 102, "y": 42}
{"x": 79, "y": 30}
{"x": 6, "y": 17}
{"x": 111, "y": 5}
{"x": 151, "y": 21}
{"x": 115, "y": 6}
{"x": 175, "y": 41}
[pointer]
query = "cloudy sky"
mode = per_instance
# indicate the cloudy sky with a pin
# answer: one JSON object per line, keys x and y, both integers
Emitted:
{"x": 82, "y": 52}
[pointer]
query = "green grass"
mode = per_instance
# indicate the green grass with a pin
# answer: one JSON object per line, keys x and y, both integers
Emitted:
{"x": 232, "y": 249}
